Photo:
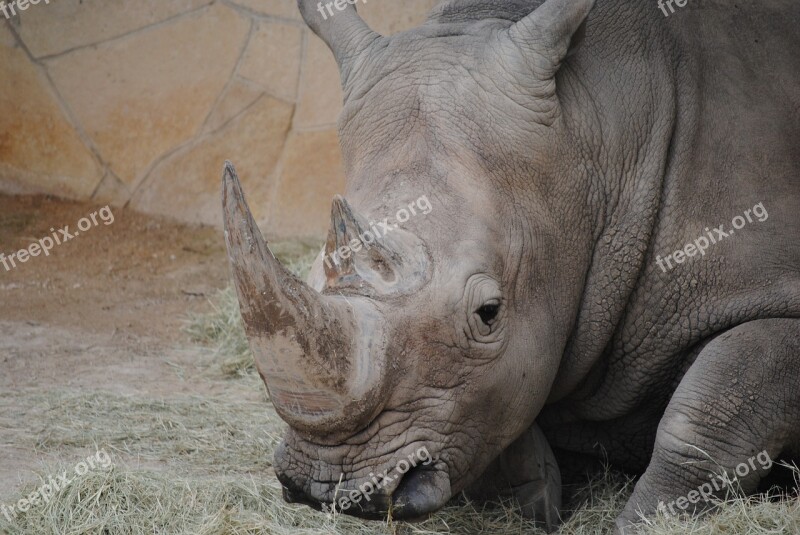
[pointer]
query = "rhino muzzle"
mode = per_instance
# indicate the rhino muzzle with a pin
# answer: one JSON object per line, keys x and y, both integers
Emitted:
{"x": 322, "y": 357}
{"x": 410, "y": 490}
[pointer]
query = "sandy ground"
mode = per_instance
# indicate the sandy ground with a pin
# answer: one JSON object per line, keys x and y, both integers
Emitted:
{"x": 103, "y": 312}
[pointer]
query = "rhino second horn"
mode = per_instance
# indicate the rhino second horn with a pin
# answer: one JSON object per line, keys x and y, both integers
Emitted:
{"x": 309, "y": 349}
{"x": 391, "y": 263}
{"x": 361, "y": 264}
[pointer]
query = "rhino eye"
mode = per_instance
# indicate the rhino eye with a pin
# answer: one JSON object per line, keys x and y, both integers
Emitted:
{"x": 488, "y": 313}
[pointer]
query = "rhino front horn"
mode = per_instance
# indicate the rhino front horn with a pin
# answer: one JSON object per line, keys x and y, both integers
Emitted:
{"x": 321, "y": 357}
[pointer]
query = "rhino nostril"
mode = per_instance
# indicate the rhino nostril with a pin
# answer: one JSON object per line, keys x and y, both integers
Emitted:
{"x": 290, "y": 496}
{"x": 292, "y": 493}
{"x": 422, "y": 490}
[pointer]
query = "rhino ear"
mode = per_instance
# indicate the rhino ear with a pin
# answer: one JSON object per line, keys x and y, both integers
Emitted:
{"x": 551, "y": 33}
{"x": 343, "y": 30}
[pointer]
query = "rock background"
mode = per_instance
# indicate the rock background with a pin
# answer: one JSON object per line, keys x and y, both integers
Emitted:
{"x": 138, "y": 104}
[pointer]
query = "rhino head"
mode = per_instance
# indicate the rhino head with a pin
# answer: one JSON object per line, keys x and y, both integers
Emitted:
{"x": 444, "y": 336}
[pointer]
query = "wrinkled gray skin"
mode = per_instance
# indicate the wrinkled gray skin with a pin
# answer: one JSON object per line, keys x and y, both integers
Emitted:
{"x": 555, "y": 182}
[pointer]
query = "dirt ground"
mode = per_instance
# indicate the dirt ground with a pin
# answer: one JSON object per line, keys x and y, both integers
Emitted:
{"x": 103, "y": 312}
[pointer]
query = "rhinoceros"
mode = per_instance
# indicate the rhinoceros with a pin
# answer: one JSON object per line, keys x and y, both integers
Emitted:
{"x": 610, "y": 269}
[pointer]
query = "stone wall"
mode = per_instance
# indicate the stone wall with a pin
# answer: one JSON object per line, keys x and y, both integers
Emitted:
{"x": 138, "y": 103}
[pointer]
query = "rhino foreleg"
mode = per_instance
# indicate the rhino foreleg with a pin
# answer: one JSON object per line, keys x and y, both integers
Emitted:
{"x": 736, "y": 409}
{"x": 526, "y": 470}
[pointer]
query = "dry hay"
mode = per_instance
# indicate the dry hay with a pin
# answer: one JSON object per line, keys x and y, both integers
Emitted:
{"x": 186, "y": 465}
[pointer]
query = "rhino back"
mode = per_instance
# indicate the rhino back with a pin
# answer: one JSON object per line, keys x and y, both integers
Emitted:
{"x": 735, "y": 146}
{"x": 733, "y": 90}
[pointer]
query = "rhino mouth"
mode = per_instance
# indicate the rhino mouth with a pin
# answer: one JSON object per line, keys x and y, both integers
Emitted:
{"x": 406, "y": 494}
{"x": 421, "y": 491}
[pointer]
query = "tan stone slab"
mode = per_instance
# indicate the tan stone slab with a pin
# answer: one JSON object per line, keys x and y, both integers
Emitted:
{"x": 112, "y": 191}
{"x": 186, "y": 186}
{"x": 6, "y": 38}
{"x": 272, "y": 59}
{"x": 62, "y": 25}
{"x": 275, "y": 8}
{"x": 312, "y": 175}
{"x": 144, "y": 95}
{"x": 320, "y": 99}
{"x": 238, "y": 96}
{"x": 40, "y": 151}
